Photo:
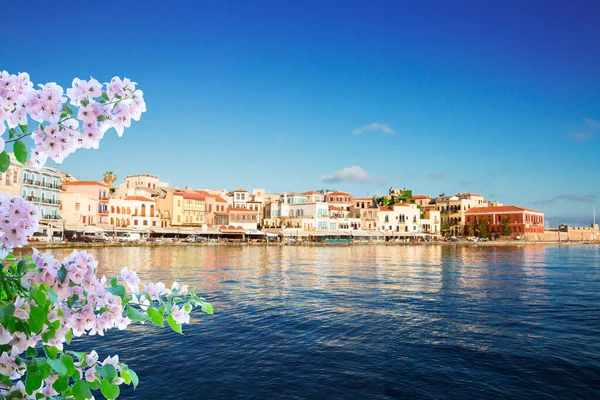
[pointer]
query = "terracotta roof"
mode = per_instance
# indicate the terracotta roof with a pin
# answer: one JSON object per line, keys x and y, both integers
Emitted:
{"x": 420, "y": 196}
{"x": 222, "y": 213}
{"x": 337, "y": 193}
{"x": 362, "y": 198}
{"x": 240, "y": 190}
{"x": 334, "y": 208}
{"x": 311, "y": 192}
{"x": 469, "y": 194}
{"x": 385, "y": 208}
{"x": 85, "y": 183}
{"x": 495, "y": 209}
{"x": 193, "y": 196}
{"x": 241, "y": 210}
{"x": 220, "y": 199}
{"x": 138, "y": 198}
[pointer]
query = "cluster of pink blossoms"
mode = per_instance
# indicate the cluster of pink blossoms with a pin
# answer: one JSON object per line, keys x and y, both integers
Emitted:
{"x": 67, "y": 130}
{"x": 96, "y": 311}
{"x": 18, "y": 220}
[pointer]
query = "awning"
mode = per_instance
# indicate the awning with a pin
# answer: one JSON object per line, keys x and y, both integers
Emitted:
{"x": 254, "y": 232}
{"x": 294, "y": 233}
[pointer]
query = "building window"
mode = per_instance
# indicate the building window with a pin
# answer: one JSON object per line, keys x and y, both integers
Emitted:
{"x": 77, "y": 206}
{"x": 135, "y": 222}
{"x": 178, "y": 203}
{"x": 145, "y": 222}
{"x": 179, "y": 218}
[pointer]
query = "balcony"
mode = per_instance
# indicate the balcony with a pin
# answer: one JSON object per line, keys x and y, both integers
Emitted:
{"x": 42, "y": 184}
{"x": 52, "y": 217}
{"x": 102, "y": 212}
{"x": 39, "y": 200}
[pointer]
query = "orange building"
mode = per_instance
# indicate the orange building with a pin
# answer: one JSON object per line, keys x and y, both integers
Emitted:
{"x": 521, "y": 220}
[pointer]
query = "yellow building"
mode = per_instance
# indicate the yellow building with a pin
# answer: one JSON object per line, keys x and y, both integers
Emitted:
{"x": 188, "y": 209}
{"x": 453, "y": 208}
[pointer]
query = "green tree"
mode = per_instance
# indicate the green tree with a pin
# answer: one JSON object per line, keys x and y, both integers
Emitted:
{"x": 471, "y": 230}
{"x": 483, "y": 227}
{"x": 506, "y": 226}
{"x": 445, "y": 229}
{"x": 109, "y": 178}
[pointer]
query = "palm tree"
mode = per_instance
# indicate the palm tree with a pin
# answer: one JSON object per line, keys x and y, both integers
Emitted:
{"x": 109, "y": 178}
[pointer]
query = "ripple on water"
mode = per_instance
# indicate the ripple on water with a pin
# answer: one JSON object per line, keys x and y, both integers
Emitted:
{"x": 369, "y": 322}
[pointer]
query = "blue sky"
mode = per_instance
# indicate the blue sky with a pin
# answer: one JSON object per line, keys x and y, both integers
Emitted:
{"x": 497, "y": 98}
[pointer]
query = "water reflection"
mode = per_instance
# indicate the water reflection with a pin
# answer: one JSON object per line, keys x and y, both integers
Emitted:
{"x": 371, "y": 321}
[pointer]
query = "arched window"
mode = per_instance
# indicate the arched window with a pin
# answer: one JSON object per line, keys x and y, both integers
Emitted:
{"x": 118, "y": 210}
{"x": 143, "y": 210}
{"x": 152, "y": 210}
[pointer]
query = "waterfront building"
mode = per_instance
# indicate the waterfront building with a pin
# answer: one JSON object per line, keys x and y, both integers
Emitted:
{"x": 244, "y": 217}
{"x": 143, "y": 212}
{"x": 213, "y": 204}
{"x": 239, "y": 198}
{"x": 314, "y": 196}
{"x": 430, "y": 221}
{"x": 145, "y": 185}
{"x": 520, "y": 220}
{"x": 188, "y": 209}
{"x": 421, "y": 200}
{"x": 97, "y": 190}
{"x": 119, "y": 213}
{"x": 365, "y": 209}
{"x": 42, "y": 188}
{"x": 453, "y": 209}
{"x": 339, "y": 199}
{"x": 79, "y": 210}
{"x": 399, "y": 218}
{"x": 10, "y": 181}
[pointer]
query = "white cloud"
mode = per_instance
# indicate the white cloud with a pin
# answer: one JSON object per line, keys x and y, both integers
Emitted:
{"x": 350, "y": 174}
{"x": 374, "y": 127}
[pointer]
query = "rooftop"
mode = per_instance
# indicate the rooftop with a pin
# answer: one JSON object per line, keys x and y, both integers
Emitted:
{"x": 493, "y": 209}
{"x": 85, "y": 183}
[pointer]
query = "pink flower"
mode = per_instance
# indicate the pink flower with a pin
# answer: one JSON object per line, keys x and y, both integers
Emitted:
{"x": 179, "y": 315}
{"x": 131, "y": 278}
{"x": 90, "y": 374}
{"x": 21, "y": 309}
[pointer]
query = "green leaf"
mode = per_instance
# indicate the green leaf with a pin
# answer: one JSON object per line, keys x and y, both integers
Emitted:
{"x": 134, "y": 378}
{"x": 52, "y": 295}
{"x": 207, "y": 308}
{"x": 114, "y": 281}
{"x": 21, "y": 266}
{"x": 63, "y": 115}
{"x": 134, "y": 315}
{"x": 95, "y": 385}
{"x": 33, "y": 380}
{"x": 58, "y": 366}
{"x": 31, "y": 352}
{"x": 6, "y": 312}
{"x": 67, "y": 108}
{"x": 62, "y": 274}
{"x": 51, "y": 351}
{"x": 102, "y": 118}
{"x": 85, "y": 102}
{"x": 40, "y": 298}
{"x": 24, "y": 128}
{"x": 174, "y": 325}
{"x": 20, "y": 150}
{"x": 10, "y": 257}
{"x": 105, "y": 95}
{"x": 44, "y": 368}
{"x": 69, "y": 336}
{"x": 68, "y": 361}
{"x": 126, "y": 376}
{"x": 109, "y": 389}
{"x": 12, "y": 133}
{"x": 37, "y": 316}
{"x": 156, "y": 317}
{"x": 107, "y": 372}
{"x": 118, "y": 290}
{"x": 61, "y": 384}
{"x": 81, "y": 391}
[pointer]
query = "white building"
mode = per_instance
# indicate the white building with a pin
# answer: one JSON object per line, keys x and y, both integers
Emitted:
{"x": 78, "y": 210}
{"x": 42, "y": 187}
{"x": 399, "y": 218}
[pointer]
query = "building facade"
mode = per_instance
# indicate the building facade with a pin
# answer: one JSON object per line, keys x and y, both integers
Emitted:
{"x": 520, "y": 220}
{"x": 10, "y": 181}
{"x": 42, "y": 187}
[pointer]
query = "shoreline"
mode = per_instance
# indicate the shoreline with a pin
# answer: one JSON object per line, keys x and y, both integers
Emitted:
{"x": 505, "y": 243}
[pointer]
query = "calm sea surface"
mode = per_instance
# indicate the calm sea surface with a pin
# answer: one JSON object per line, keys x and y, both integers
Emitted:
{"x": 369, "y": 322}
